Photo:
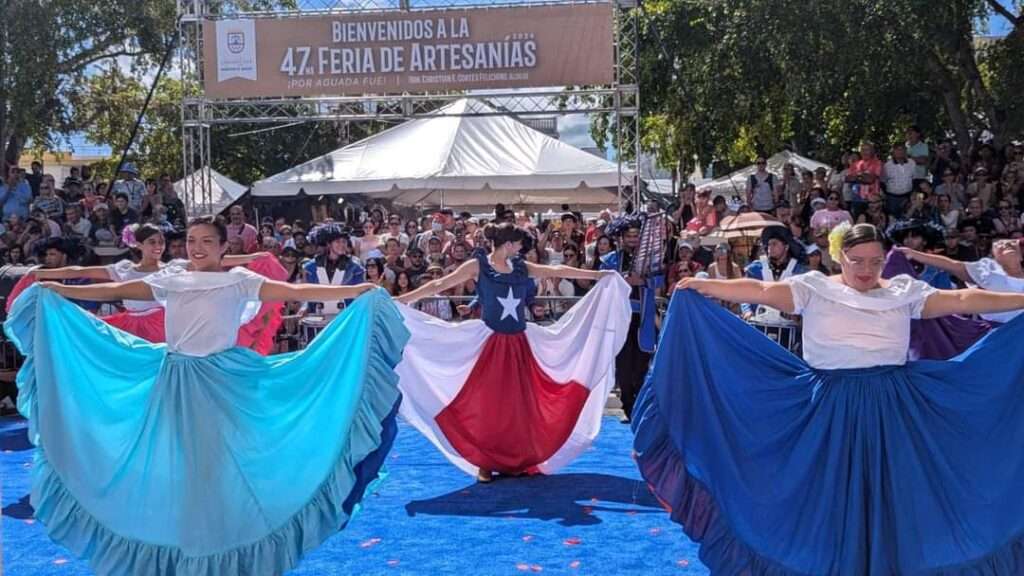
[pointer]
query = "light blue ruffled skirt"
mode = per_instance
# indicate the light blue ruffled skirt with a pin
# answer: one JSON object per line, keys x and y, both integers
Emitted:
{"x": 150, "y": 462}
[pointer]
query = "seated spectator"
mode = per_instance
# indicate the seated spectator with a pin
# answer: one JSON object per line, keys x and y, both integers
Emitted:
{"x": 102, "y": 232}
{"x": 949, "y": 217}
{"x": 122, "y": 215}
{"x": 831, "y": 213}
{"x": 48, "y": 202}
{"x": 403, "y": 283}
{"x": 438, "y": 306}
{"x": 706, "y": 215}
{"x": 74, "y": 224}
{"x": 684, "y": 267}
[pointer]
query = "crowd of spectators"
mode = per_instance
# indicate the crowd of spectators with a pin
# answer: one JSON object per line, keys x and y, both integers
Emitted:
{"x": 966, "y": 201}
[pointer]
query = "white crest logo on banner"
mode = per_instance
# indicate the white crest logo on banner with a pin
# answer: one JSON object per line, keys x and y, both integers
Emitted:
{"x": 236, "y": 49}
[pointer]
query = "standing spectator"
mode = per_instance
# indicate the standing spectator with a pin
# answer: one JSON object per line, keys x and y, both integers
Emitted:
{"x": 416, "y": 264}
{"x": 48, "y": 201}
{"x": 919, "y": 154}
{"x": 899, "y": 181}
{"x": 685, "y": 211}
{"x": 867, "y": 174}
{"x": 35, "y": 178}
{"x": 237, "y": 227}
{"x": 123, "y": 214}
{"x": 571, "y": 229}
{"x": 788, "y": 187}
{"x": 15, "y": 194}
{"x": 436, "y": 230}
{"x": 554, "y": 247}
{"x": 761, "y": 187}
{"x": 130, "y": 185}
{"x": 946, "y": 159}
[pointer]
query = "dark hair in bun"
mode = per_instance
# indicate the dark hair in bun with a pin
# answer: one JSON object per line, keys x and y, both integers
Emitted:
{"x": 499, "y": 234}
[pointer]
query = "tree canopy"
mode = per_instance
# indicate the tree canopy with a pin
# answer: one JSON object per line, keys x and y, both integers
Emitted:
{"x": 727, "y": 80}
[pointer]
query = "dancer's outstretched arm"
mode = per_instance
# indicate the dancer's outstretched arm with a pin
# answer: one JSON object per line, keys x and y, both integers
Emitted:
{"x": 542, "y": 271}
{"x": 954, "y": 267}
{"x": 970, "y": 301}
{"x": 273, "y": 291}
{"x": 777, "y": 295}
{"x": 134, "y": 290}
{"x": 464, "y": 273}
{"x": 99, "y": 273}
{"x": 241, "y": 259}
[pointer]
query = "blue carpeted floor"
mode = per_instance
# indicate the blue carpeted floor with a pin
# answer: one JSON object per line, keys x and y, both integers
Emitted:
{"x": 596, "y": 517}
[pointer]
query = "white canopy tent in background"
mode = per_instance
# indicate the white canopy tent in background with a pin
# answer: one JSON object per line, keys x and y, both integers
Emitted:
{"x": 224, "y": 190}
{"x": 736, "y": 182}
{"x": 462, "y": 161}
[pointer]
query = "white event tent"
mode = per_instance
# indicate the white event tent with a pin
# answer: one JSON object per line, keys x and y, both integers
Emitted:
{"x": 736, "y": 182}
{"x": 224, "y": 190}
{"x": 446, "y": 159}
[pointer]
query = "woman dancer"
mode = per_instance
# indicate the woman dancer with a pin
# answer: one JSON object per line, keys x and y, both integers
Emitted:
{"x": 851, "y": 461}
{"x": 1003, "y": 272}
{"x": 499, "y": 395}
{"x": 199, "y": 457}
{"x": 145, "y": 319}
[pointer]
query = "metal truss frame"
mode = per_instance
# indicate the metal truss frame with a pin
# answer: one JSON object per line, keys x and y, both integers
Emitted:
{"x": 621, "y": 100}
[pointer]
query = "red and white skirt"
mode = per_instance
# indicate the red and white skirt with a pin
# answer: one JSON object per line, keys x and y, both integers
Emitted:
{"x": 514, "y": 403}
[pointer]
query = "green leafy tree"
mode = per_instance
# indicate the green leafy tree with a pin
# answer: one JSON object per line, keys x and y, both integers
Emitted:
{"x": 729, "y": 80}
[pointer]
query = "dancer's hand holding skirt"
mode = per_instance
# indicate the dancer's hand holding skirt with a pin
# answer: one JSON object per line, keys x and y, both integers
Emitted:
{"x": 777, "y": 468}
{"x": 150, "y": 462}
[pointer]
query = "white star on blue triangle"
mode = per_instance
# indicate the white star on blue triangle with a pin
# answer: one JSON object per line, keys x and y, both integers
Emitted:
{"x": 509, "y": 306}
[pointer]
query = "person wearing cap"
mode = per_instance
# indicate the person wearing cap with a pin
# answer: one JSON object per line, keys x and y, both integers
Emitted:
{"x": 830, "y": 213}
{"x": 437, "y": 307}
{"x": 779, "y": 260}
{"x": 334, "y": 266}
{"x": 684, "y": 266}
{"x": 128, "y": 183}
{"x": 435, "y": 229}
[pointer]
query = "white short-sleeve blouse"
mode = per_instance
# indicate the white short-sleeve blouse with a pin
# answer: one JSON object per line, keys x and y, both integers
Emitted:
{"x": 844, "y": 328}
{"x": 205, "y": 309}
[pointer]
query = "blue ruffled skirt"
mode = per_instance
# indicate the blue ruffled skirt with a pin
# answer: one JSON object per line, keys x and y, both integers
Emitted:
{"x": 149, "y": 462}
{"x": 780, "y": 469}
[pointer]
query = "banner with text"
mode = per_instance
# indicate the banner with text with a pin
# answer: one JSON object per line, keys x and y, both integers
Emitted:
{"x": 409, "y": 52}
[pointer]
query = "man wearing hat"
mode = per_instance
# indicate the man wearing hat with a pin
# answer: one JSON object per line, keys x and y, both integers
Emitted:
{"x": 59, "y": 253}
{"x": 334, "y": 265}
{"x": 780, "y": 259}
{"x": 128, "y": 183}
{"x": 635, "y": 355}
